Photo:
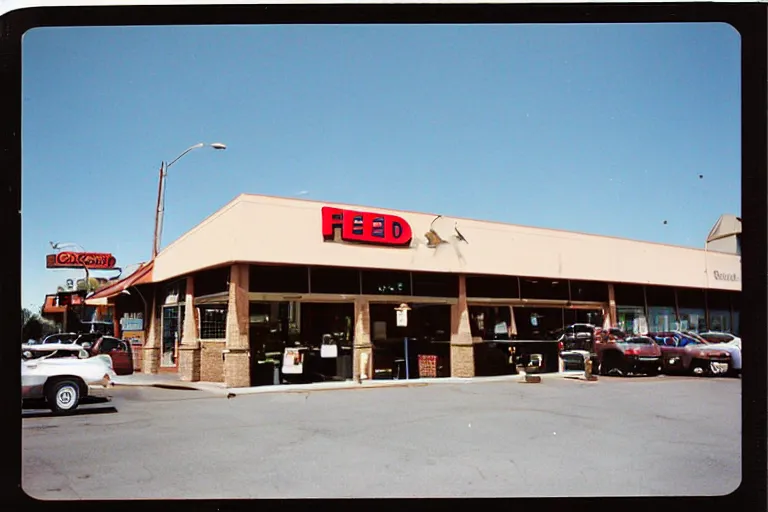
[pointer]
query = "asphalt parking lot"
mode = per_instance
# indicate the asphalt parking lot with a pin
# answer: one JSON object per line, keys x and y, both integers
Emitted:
{"x": 615, "y": 437}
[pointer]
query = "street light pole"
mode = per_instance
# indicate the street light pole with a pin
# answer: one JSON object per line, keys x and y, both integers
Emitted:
{"x": 161, "y": 193}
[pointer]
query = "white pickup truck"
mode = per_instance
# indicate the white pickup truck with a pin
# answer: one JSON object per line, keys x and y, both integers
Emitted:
{"x": 63, "y": 375}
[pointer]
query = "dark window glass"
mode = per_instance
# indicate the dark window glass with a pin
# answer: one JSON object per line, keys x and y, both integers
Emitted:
{"x": 629, "y": 295}
{"x": 209, "y": 282}
{"x": 720, "y": 300}
{"x": 386, "y": 282}
{"x": 113, "y": 344}
{"x": 213, "y": 322}
{"x": 335, "y": 280}
{"x": 690, "y": 298}
{"x": 538, "y": 288}
{"x": 176, "y": 288}
{"x": 432, "y": 284}
{"x": 660, "y": 296}
{"x": 593, "y": 291}
{"x": 278, "y": 279}
{"x": 493, "y": 287}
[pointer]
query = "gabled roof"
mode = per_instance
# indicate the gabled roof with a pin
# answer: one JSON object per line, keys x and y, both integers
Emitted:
{"x": 727, "y": 225}
{"x": 142, "y": 275}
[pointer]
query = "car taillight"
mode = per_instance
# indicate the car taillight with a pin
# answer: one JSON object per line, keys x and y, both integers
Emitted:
{"x": 561, "y": 345}
{"x": 631, "y": 352}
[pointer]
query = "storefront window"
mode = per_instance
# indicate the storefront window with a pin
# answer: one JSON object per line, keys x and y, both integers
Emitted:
{"x": 736, "y": 329}
{"x": 692, "y": 320}
{"x": 593, "y": 291}
{"x": 334, "y": 280}
{"x": 719, "y": 306}
{"x": 661, "y": 308}
{"x": 692, "y": 315}
{"x": 629, "y": 294}
{"x": 631, "y": 319}
{"x": 490, "y": 323}
{"x": 719, "y": 320}
{"x": 211, "y": 282}
{"x": 279, "y": 279}
{"x": 433, "y": 284}
{"x": 493, "y": 287}
{"x": 273, "y": 325}
{"x": 213, "y": 322}
{"x": 546, "y": 289}
{"x": 385, "y": 282}
{"x": 661, "y": 319}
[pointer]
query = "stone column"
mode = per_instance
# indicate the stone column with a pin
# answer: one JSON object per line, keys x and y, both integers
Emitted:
{"x": 189, "y": 348}
{"x": 362, "y": 341}
{"x": 612, "y": 314}
{"x": 237, "y": 367}
{"x": 150, "y": 357}
{"x": 462, "y": 350}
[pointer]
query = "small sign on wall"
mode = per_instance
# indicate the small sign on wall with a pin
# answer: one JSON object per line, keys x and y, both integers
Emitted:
{"x": 402, "y": 315}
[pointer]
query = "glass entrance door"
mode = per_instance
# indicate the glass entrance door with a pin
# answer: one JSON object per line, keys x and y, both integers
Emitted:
{"x": 173, "y": 320}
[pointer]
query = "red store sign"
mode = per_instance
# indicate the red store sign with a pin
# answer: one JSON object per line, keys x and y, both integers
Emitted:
{"x": 94, "y": 260}
{"x": 366, "y": 227}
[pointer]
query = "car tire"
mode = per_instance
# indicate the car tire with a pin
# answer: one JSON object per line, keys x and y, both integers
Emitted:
{"x": 653, "y": 371}
{"x": 63, "y": 396}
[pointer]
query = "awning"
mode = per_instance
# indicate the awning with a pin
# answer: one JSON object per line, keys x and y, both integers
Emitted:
{"x": 143, "y": 275}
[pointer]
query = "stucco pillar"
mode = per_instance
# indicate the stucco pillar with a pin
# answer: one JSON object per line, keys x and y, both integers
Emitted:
{"x": 150, "y": 357}
{"x": 362, "y": 341}
{"x": 189, "y": 348}
{"x": 237, "y": 370}
{"x": 612, "y": 315}
{"x": 462, "y": 350}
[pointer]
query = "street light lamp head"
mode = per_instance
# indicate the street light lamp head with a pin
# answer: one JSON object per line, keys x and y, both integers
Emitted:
{"x": 218, "y": 145}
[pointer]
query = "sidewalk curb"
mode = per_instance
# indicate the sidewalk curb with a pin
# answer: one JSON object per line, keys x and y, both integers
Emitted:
{"x": 219, "y": 389}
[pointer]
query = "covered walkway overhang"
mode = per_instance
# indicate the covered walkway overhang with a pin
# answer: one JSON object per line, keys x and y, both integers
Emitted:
{"x": 103, "y": 296}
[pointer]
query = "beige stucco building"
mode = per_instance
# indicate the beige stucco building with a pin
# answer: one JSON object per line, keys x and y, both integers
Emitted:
{"x": 264, "y": 274}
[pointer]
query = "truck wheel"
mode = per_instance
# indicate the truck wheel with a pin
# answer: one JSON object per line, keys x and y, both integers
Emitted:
{"x": 63, "y": 397}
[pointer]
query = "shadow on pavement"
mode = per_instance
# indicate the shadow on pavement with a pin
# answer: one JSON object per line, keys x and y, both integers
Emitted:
{"x": 77, "y": 412}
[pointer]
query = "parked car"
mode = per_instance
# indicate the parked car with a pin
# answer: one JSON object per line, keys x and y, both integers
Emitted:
{"x": 62, "y": 375}
{"x": 686, "y": 353}
{"x": 120, "y": 351}
{"x": 715, "y": 337}
{"x": 576, "y": 343}
{"x": 628, "y": 355}
{"x": 733, "y": 347}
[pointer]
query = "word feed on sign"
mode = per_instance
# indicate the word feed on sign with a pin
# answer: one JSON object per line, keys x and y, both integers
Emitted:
{"x": 366, "y": 227}
{"x": 726, "y": 276}
{"x": 95, "y": 260}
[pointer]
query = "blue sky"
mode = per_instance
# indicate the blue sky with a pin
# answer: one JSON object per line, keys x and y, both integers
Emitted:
{"x": 594, "y": 128}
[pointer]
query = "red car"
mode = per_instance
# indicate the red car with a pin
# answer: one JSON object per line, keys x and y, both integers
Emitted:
{"x": 631, "y": 354}
{"x": 685, "y": 354}
{"x": 118, "y": 350}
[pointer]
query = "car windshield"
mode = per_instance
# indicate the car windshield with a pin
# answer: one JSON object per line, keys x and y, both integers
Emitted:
{"x": 638, "y": 340}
